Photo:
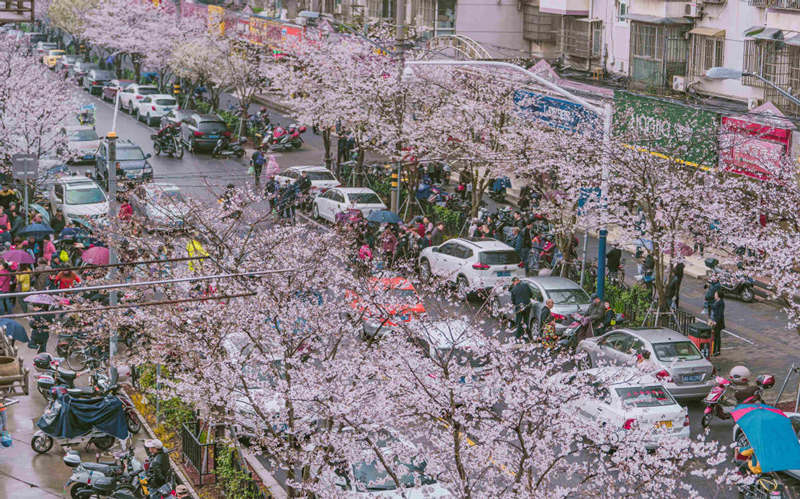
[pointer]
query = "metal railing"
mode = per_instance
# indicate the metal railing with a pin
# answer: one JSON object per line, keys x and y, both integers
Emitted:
{"x": 16, "y": 11}
{"x": 785, "y": 4}
{"x": 201, "y": 457}
{"x": 249, "y": 488}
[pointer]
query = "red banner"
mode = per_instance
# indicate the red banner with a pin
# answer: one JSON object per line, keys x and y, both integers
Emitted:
{"x": 752, "y": 149}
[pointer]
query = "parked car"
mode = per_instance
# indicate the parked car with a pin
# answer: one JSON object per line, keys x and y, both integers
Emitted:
{"x": 29, "y": 42}
{"x": 626, "y": 399}
{"x": 132, "y": 93}
{"x": 160, "y": 204}
{"x": 63, "y": 64}
{"x": 321, "y": 178}
{"x": 568, "y": 298}
{"x": 109, "y": 92}
{"x": 152, "y": 107}
{"x": 77, "y": 196}
{"x": 42, "y": 48}
{"x": 682, "y": 368}
{"x": 202, "y": 131}
{"x": 79, "y": 70}
{"x": 83, "y": 142}
{"x": 95, "y": 80}
{"x": 472, "y": 264}
{"x": 131, "y": 162}
{"x": 341, "y": 199}
{"x": 175, "y": 116}
{"x": 51, "y": 57}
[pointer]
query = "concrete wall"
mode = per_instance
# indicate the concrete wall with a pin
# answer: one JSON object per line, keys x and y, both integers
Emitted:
{"x": 734, "y": 17}
{"x": 783, "y": 19}
{"x": 495, "y": 25}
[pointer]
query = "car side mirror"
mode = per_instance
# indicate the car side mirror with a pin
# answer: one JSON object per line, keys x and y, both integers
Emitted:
{"x": 148, "y": 156}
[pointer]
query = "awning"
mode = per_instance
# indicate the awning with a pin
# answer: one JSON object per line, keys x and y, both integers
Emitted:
{"x": 641, "y": 18}
{"x": 704, "y": 31}
{"x": 794, "y": 41}
{"x": 771, "y": 34}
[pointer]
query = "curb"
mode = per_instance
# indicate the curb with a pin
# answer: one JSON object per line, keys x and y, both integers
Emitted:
{"x": 266, "y": 101}
{"x": 265, "y": 476}
{"x": 175, "y": 467}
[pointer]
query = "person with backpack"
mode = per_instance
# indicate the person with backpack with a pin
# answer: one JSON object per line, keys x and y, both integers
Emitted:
{"x": 257, "y": 162}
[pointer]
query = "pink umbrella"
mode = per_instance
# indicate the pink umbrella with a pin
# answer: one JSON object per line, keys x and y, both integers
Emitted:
{"x": 42, "y": 299}
{"x": 17, "y": 256}
{"x": 96, "y": 255}
{"x": 683, "y": 250}
{"x": 272, "y": 168}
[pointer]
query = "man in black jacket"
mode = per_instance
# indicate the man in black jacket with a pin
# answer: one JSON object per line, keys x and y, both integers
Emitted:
{"x": 158, "y": 471}
{"x": 521, "y": 299}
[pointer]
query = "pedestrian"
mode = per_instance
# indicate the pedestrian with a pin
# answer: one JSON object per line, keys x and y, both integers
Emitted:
{"x": 67, "y": 279}
{"x": 678, "y": 270}
{"x": 57, "y": 223}
{"x": 195, "y": 248}
{"x": 428, "y": 224}
{"x": 613, "y": 259}
{"x": 437, "y": 234}
{"x": 23, "y": 285}
{"x": 717, "y": 321}
{"x": 388, "y": 245}
{"x": 125, "y": 208}
{"x": 525, "y": 252}
{"x": 6, "y": 281}
{"x": 17, "y": 220}
{"x": 42, "y": 280}
{"x": 711, "y": 288}
{"x": 257, "y": 162}
{"x": 671, "y": 292}
{"x": 7, "y": 196}
{"x": 5, "y": 223}
{"x": 521, "y": 299}
{"x": 48, "y": 249}
{"x": 158, "y": 471}
{"x": 424, "y": 241}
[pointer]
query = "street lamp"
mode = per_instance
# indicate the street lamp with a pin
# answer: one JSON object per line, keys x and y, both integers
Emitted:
{"x": 720, "y": 73}
{"x": 605, "y": 111}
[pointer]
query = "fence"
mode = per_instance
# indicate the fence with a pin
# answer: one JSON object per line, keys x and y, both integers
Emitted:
{"x": 249, "y": 487}
{"x": 677, "y": 319}
{"x": 200, "y": 457}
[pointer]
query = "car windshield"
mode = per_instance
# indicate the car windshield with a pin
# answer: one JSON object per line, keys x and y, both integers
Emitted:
{"x": 165, "y": 102}
{"x": 364, "y": 198}
{"x": 129, "y": 154}
{"x": 501, "y": 257}
{"x": 574, "y": 296}
{"x": 677, "y": 350}
{"x": 102, "y": 75}
{"x": 644, "y": 396}
{"x": 212, "y": 126}
{"x": 85, "y": 195}
{"x": 148, "y": 91}
{"x": 320, "y": 176}
{"x": 82, "y": 135}
{"x": 56, "y": 52}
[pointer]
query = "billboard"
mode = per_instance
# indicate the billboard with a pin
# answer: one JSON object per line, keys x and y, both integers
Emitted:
{"x": 557, "y": 113}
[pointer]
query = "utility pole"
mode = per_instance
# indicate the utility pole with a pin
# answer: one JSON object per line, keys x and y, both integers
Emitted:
{"x": 111, "y": 175}
{"x": 400, "y": 38}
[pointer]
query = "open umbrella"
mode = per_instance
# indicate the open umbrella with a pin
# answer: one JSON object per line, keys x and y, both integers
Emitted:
{"x": 383, "y": 217}
{"x": 682, "y": 249}
{"x": 41, "y": 299}
{"x": 771, "y": 436}
{"x": 96, "y": 255}
{"x": 14, "y": 330}
{"x": 17, "y": 256}
{"x": 39, "y": 231}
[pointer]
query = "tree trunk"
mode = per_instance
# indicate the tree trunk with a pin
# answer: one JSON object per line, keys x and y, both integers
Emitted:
{"x": 118, "y": 66}
{"x": 326, "y": 142}
{"x": 360, "y": 167}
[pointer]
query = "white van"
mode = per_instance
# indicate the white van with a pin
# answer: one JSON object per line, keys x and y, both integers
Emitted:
{"x": 78, "y": 196}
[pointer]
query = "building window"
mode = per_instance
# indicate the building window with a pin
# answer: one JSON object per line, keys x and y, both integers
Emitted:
{"x": 707, "y": 52}
{"x": 777, "y": 62}
{"x": 657, "y": 53}
{"x": 622, "y": 11}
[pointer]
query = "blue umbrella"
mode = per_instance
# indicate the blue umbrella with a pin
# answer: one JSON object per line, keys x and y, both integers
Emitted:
{"x": 769, "y": 431}
{"x": 39, "y": 231}
{"x": 14, "y": 330}
{"x": 383, "y": 217}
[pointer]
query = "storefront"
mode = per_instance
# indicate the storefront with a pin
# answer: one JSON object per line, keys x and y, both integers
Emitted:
{"x": 756, "y": 143}
{"x": 666, "y": 128}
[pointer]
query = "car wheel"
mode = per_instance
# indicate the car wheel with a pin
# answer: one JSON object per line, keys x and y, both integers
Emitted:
{"x": 585, "y": 362}
{"x": 425, "y": 273}
{"x": 157, "y": 148}
{"x": 315, "y": 213}
{"x": 462, "y": 288}
{"x": 747, "y": 295}
{"x": 178, "y": 148}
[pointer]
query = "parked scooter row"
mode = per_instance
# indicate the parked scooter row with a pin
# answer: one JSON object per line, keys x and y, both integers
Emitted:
{"x": 278, "y": 138}
{"x": 736, "y": 284}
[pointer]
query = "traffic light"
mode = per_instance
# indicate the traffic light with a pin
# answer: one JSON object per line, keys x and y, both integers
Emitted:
{"x": 176, "y": 88}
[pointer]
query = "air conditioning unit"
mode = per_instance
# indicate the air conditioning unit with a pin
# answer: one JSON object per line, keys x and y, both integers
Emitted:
{"x": 679, "y": 83}
{"x": 753, "y": 102}
{"x": 693, "y": 10}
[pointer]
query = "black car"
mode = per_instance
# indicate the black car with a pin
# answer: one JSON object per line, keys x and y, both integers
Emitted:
{"x": 132, "y": 164}
{"x": 201, "y": 131}
{"x": 95, "y": 80}
{"x": 80, "y": 69}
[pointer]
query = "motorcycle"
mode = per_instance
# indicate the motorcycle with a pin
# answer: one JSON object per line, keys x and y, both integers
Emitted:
{"x": 713, "y": 400}
{"x": 283, "y": 139}
{"x": 169, "y": 143}
{"x": 224, "y": 148}
{"x": 497, "y": 192}
{"x": 104, "y": 385}
{"x": 737, "y": 284}
{"x": 123, "y": 479}
{"x": 52, "y": 375}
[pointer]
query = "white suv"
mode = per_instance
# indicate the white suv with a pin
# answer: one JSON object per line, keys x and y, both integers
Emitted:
{"x": 471, "y": 263}
{"x": 151, "y": 108}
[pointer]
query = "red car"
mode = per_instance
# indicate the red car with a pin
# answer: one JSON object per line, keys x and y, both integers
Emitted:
{"x": 110, "y": 91}
{"x": 394, "y": 300}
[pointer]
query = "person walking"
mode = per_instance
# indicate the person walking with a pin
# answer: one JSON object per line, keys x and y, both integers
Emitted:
{"x": 258, "y": 160}
{"x": 678, "y": 271}
{"x": 437, "y": 234}
{"x": 23, "y": 285}
{"x": 521, "y": 299}
{"x": 717, "y": 320}
{"x": 6, "y": 280}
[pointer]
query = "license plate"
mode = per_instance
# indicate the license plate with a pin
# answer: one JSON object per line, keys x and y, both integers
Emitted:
{"x": 664, "y": 424}
{"x": 504, "y": 273}
{"x": 213, "y": 136}
{"x": 691, "y": 378}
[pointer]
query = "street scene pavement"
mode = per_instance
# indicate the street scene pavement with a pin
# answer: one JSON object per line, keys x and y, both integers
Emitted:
{"x": 305, "y": 335}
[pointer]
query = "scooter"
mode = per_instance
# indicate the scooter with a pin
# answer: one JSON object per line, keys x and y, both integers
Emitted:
{"x": 738, "y": 284}
{"x": 103, "y": 385}
{"x": 52, "y": 375}
{"x": 42, "y": 442}
{"x": 115, "y": 479}
{"x": 284, "y": 139}
{"x": 224, "y": 148}
{"x": 171, "y": 144}
{"x": 713, "y": 400}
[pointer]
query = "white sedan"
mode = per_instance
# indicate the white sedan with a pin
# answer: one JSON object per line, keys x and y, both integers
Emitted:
{"x": 151, "y": 108}
{"x": 321, "y": 178}
{"x": 341, "y": 199}
{"x": 624, "y": 399}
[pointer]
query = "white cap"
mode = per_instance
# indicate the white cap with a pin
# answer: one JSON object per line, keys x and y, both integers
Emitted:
{"x": 154, "y": 443}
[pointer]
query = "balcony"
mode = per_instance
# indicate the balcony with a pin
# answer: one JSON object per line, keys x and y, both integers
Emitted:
{"x": 759, "y": 3}
{"x": 537, "y": 26}
{"x": 785, "y": 4}
{"x": 15, "y": 11}
{"x": 565, "y": 7}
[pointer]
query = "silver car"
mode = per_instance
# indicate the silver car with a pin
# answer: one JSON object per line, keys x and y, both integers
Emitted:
{"x": 677, "y": 363}
{"x": 568, "y": 298}
{"x": 161, "y": 204}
